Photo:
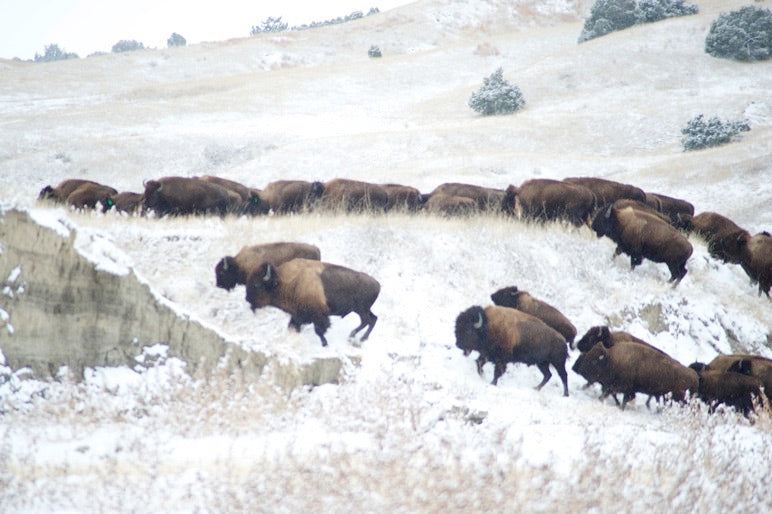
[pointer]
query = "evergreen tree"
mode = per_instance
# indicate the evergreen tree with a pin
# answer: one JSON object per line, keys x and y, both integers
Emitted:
{"x": 744, "y": 35}
{"x": 496, "y": 96}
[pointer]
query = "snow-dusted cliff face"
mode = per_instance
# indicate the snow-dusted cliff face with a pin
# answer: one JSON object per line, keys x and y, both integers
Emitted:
{"x": 61, "y": 308}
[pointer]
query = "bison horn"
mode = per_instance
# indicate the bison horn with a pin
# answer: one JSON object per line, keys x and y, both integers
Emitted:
{"x": 225, "y": 264}
{"x": 608, "y": 211}
{"x": 479, "y": 323}
{"x": 267, "y": 275}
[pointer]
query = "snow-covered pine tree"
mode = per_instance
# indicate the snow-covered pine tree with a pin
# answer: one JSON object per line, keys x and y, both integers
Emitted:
{"x": 497, "y": 96}
{"x": 744, "y": 35}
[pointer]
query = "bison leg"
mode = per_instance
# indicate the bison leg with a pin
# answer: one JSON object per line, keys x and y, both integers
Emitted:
{"x": 498, "y": 370}
{"x": 367, "y": 320}
{"x": 294, "y": 324}
{"x": 635, "y": 260}
{"x": 563, "y": 378}
{"x": 481, "y": 360}
{"x": 545, "y": 370}
{"x": 320, "y": 327}
{"x": 677, "y": 272}
{"x": 626, "y": 398}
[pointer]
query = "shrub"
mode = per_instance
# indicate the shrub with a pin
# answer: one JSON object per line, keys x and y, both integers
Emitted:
{"x": 699, "y": 133}
{"x": 270, "y": 24}
{"x": 176, "y": 40}
{"x": 54, "y": 53}
{"x": 611, "y": 15}
{"x": 125, "y": 45}
{"x": 374, "y": 51}
{"x": 744, "y": 35}
{"x": 497, "y": 96}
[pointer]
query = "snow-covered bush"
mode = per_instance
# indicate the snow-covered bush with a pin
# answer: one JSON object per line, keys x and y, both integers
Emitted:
{"x": 270, "y": 24}
{"x": 127, "y": 45}
{"x": 700, "y": 133}
{"x": 497, "y": 96}
{"x": 176, "y": 40}
{"x": 611, "y": 15}
{"x": 744, "y": 35}
{"x": 54, "y": 53}
{"x": 374, "y": 51}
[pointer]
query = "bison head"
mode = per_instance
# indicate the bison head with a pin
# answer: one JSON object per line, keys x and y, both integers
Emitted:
{"x": 261, "y": 284}
{"x": 507, "y": 297}
{"x": 46, "y": 193}
{"x": 508, "y": 202}
{"x": 226, "y": 273}
{"x": 471, "y": 329}
{"x": 603, "y": 224}
{"x": 594, "y": 364}
{"x": 593, "y": 336}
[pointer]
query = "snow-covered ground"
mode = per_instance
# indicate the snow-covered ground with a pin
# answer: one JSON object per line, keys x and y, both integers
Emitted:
{"x": 411, "y": 427}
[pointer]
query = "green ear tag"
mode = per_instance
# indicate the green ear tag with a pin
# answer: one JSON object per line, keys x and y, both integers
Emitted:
{"x": 255, "y": 200}
{"x": 110, "y": 202}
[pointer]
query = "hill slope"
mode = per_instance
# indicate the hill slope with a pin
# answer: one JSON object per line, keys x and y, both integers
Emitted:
{"x": 411, "y": 426}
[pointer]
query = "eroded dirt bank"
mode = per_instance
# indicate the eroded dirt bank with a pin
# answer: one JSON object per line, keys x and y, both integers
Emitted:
{"x": 57, "y": 308}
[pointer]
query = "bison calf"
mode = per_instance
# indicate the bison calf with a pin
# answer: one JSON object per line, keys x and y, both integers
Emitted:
{"x": 729, "y": 388}
{"x": 312, "y": 291}
{"x": 502, "y": 335}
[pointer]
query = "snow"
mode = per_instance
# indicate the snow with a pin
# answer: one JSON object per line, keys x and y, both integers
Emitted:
{"x": 410, "y": 426}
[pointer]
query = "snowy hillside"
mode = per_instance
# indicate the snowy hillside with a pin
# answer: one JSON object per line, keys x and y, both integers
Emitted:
{"x": 410, "y": 427}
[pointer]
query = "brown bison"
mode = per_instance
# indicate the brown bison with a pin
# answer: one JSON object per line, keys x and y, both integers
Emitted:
{"x": 608, "y": 191}
{"x": 402, "y": 197}
{"x": 673, "y": 208}
{"x": 181, "y": 196}
{"x": 87, "y": 196}
{"x": 754, "y": 365}
{"x": 354, "y": 196}
{"x": 628, "y": 368}
{"x": 485, "y": 198}
{"x": 65, "y": 189}
{"x": 502, "y": 335}
{"x": 287, "y": 196}
{"x": 756, "y": 259}
{"x": 604, "y": 335}
{"x": 247, "y": 200}
{"x": 550, "y": 200}
{"x": 127, "y": 202}
{"x": 732, "y": 389}
{"x": 312, "y": 291}
{"x": 446, "y": 205}
{"x": 522, "y": 301}
{"x": 642, "y": 235}
{"x": 230, "y": 271}
{"x": 722, "y": 235}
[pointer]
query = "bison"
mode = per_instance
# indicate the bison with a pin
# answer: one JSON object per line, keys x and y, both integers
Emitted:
{"x": 181, "y": 196}
{"x": 603, "y": 335}
{"x": 549, "y": 200}
{"x": 608, "y": 191}
{"x": 673, "y": 208}
{"x": 247, "y": 201}
{"x": 230, "y": 271}
{"x": 628, "y": 368}
{"x": 756, "y": 259}
{"x": 127, "y": 202}
{"x": 402, "y": 197}
{"x": 312, "y": 291}
{"x": 290, "y": 196}
{"x": 522, "y": 301}
{"x": 722, "y": 235}
{"x": 447, "y": 205}
{"x": 485, "y": 198}
{"x": 502, "y": 335}
{"x": 354, "y": 196}
{"x": 88, "y": 195}
{"x": 754, "y": 365}
{"x": 65, "y": 189}
{"x": 727, "y": 387}
{"x": 642, "y": 235}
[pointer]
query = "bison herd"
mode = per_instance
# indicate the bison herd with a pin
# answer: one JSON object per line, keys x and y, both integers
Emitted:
{"x": 518, "y": 328}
